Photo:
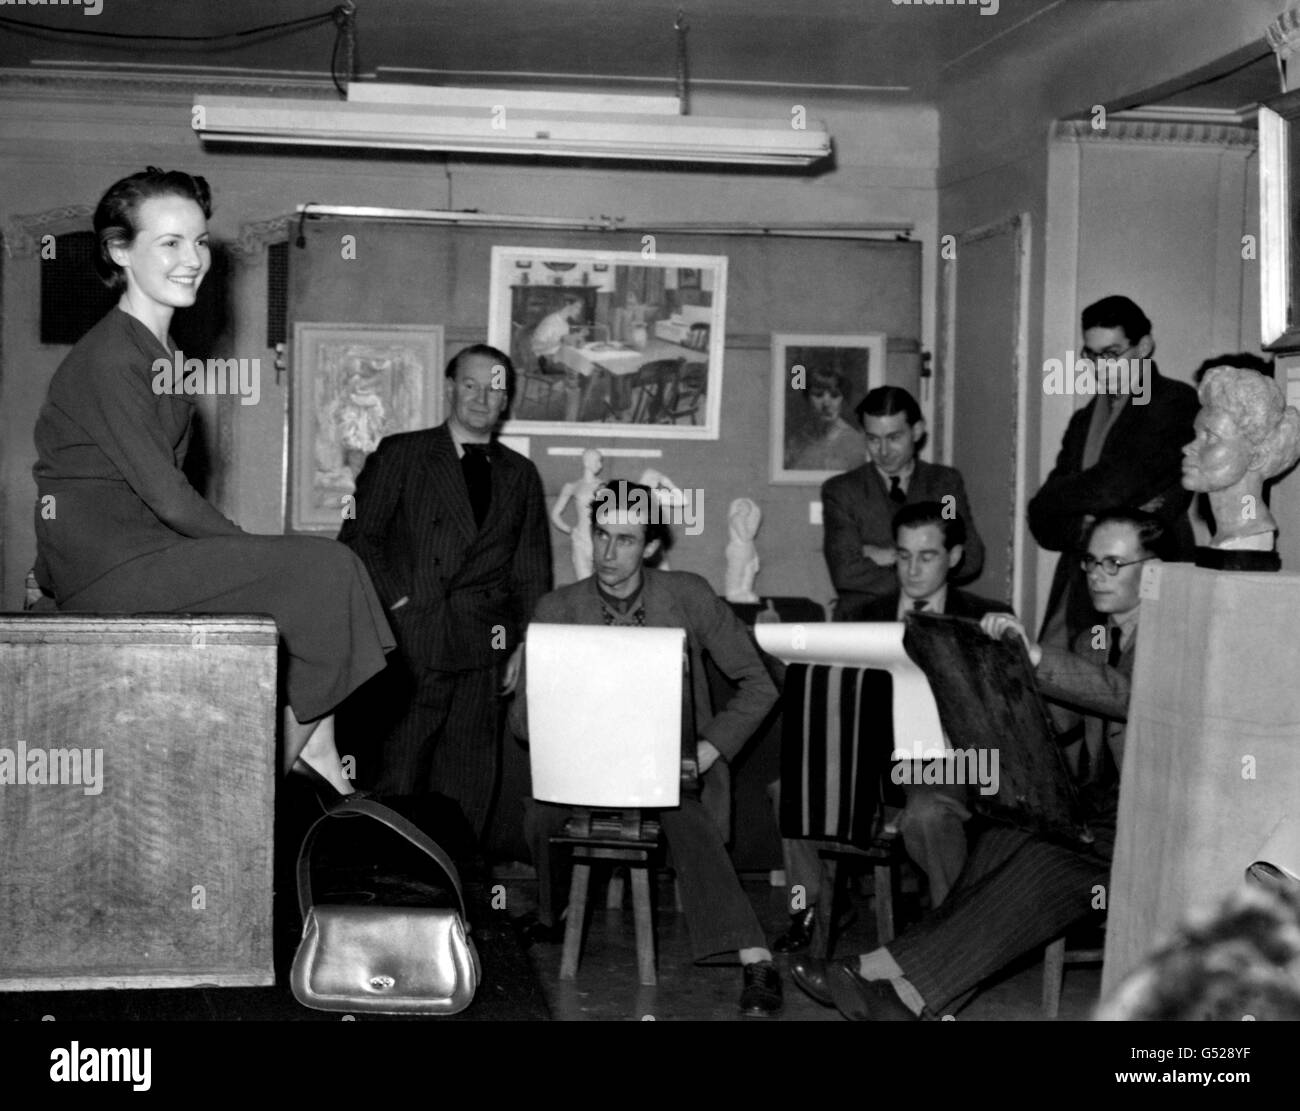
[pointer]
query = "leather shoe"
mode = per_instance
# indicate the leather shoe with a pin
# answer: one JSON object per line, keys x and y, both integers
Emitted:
{"x": 799, "y": 935}
{"x": 761, "y": 996}
{"x": 862, "y": 1000}
{"x": 810, "y": 974}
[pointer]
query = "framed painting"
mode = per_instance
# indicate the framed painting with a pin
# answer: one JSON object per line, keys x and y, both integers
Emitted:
{"x": 352, "y": 385}
{"x": 1279, "y": 167}
{"x": 817, "y": 381}
{"x": 611, "y": 343}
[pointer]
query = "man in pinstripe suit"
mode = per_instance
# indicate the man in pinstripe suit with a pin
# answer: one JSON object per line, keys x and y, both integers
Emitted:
{"x": 452, "y": 526}
{"x": 1018, "y": 891}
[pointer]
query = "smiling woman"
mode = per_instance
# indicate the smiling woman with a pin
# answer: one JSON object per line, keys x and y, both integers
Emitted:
{"x": 119, "y": 528}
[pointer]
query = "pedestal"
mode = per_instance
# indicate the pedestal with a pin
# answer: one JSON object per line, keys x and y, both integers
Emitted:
{"x": 137, "y": 787}
{"x": 1212, "y": 759}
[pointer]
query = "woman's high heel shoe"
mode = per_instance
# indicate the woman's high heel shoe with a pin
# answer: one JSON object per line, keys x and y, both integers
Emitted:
{"x": 327, "y": 794}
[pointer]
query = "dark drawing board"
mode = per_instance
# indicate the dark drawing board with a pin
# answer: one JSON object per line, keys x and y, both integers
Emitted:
{"x": 988, "y": 699}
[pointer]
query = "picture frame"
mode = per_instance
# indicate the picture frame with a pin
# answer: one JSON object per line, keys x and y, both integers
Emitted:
{"x": 352, "y": 385}
{"x": 1279, "y": 253}
{"x": 817, "y": 381}
{"x": 611, "y": 343}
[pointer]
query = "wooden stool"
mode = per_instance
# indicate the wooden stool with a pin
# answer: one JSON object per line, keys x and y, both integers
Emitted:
{"x": 625, "y": 838}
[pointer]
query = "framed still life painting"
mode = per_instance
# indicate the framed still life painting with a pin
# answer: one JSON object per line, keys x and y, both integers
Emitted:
{"x": 352, "y": 385}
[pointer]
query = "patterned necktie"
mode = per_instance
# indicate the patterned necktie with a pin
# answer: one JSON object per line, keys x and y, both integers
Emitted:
{"x": 476, "y": 465}
{"x": 896, "y": 494}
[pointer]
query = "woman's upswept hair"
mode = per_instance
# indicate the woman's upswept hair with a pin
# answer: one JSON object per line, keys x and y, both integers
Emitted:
{"x": 116, "y": 213}
{"x": 1258, "y": 408}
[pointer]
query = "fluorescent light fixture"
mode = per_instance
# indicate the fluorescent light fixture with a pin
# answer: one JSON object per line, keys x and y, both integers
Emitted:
{"x": 509, "y": 122}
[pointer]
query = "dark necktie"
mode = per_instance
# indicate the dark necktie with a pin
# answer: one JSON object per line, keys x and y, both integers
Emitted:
{"x": 896, "y": 493}
{"x": 1114, "y": 652}
{"x": 919, "y": 604}
{"x": 476, "y": 464}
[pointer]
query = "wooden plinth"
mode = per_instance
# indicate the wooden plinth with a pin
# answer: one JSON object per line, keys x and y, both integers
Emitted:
{"x": 160, "y": 874}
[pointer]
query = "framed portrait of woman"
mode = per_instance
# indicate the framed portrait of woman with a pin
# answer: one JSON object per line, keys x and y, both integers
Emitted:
{"x": 817, "y": 380}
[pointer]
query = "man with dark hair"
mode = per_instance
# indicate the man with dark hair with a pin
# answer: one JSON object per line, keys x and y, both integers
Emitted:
{"x": 928, "y": 545}
{"x": 1019, "y": 891}
{"x": 859, "y": 506}
{"x": 1117, "y": 450}
{"x": 452, "y": 527}
{"x": 623, "y": 591}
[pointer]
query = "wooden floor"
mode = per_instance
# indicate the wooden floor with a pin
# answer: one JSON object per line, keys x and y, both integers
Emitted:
{"x": 606, "y": 988}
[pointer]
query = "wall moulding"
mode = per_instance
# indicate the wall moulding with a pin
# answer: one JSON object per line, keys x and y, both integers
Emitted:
{"x": 23, "y": 233}
{"x": 1158, "y": 132}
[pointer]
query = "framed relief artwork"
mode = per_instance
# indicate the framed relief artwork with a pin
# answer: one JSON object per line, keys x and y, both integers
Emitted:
{"x": 817, "y": 381}
{"x": 352, "y": 385}
{"x": 611, "y": 343}
{"x": 1279, "y": 178}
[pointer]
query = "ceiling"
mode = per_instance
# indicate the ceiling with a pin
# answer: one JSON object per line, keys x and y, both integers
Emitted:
{"x": 854, "y": 45}
{"x": 791, "y": 43}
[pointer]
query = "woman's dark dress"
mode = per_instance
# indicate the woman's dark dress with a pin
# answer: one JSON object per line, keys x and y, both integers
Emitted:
{"x": 127, "y": 533}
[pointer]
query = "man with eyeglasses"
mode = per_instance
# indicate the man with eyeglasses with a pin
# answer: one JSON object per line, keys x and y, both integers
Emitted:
{"x": 1123, "y": 448}
{"x": 452, "y": 526}
{"x": 1018, "y": 891}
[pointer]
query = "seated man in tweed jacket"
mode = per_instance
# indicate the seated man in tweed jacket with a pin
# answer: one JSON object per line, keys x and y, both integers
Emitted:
{"x": 623, "y": 591}
{"x": 1018, "y": 891}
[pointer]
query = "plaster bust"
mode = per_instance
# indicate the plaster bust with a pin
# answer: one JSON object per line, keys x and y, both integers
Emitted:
{"x": 1245, "y": 434}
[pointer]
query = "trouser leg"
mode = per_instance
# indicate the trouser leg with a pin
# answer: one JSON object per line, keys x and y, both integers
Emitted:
{"x": 719, "y": 916}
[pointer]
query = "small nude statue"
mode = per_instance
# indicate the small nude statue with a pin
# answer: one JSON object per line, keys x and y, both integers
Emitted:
{"x": 742, "y": 556}
{"x": 1245, "y": 434}
{"x": 580, "y": 492}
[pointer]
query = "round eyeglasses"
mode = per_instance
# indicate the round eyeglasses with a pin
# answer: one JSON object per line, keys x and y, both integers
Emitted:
{"x": 1109, "y": 564}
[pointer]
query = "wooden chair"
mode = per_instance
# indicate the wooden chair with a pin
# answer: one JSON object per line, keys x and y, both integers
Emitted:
{"x": 805, "y": 720}
{"x": 687, "y": 393}
{"x": 630, "y": 838}
{"x": 1055, "y": 957}
{"x": 579, "y": 680}
{"x": 651, "y": 388}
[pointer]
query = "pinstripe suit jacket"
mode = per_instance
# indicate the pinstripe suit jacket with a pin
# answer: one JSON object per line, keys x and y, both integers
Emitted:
{"x": 857, "y": 511}
{"x": 469, "y": 589}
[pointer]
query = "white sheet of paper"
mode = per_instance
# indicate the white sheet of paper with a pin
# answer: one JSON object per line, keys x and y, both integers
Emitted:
{"x": 878, "y": 644}
{"x": 605, "y": 714}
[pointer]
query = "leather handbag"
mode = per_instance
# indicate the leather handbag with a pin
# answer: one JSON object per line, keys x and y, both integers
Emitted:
{"x": 383, "y": 960}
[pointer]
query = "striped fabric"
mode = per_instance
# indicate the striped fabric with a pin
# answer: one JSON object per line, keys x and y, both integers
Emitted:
{"x": 830, "y": 783}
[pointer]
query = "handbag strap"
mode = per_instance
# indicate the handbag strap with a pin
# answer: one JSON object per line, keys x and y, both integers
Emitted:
{"x": 356, "y": 808}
